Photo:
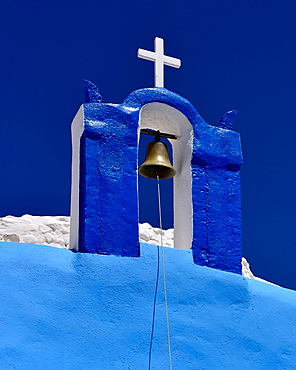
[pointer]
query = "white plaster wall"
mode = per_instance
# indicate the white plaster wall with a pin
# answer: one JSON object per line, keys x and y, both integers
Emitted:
{"x": 47, "y": 230}
{"x": 162, "y": 117}
{"x": 76, "y": 131}
{"x": 55, "y": 231}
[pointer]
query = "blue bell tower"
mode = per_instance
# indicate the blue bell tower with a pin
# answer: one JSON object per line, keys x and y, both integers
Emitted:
{"x": 207, "y": 206}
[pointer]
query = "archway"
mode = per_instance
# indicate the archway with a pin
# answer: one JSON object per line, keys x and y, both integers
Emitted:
{"x": 162, "y": 117}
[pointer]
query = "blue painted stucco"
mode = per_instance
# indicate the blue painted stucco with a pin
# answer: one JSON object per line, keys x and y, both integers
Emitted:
{"x": 108, "y": 180}
{"x": 71, "y": 311}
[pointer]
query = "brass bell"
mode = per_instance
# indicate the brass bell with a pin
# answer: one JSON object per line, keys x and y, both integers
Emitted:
{"x": 157, "y": 161}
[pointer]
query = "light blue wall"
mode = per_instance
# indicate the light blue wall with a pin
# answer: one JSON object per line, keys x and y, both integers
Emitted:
{"x": 61, "y": 310}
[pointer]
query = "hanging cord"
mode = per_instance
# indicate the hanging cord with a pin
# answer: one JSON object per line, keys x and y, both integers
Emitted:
{"x": 164, "y": 277}
{"x": 159, "y": 209}
{"x": 154, "y": 308}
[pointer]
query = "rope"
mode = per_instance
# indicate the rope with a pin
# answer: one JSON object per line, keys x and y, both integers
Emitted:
{"x": 159, "y": 209}
{"x": 164, "y": 278}
{"x": 154, "y": 309}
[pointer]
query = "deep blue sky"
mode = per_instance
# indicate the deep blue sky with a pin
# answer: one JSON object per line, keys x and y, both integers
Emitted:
{"x": 235, "y": 55}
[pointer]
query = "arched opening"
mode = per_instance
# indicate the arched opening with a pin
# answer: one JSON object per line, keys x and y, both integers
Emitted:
{"x": 162, "y": 117}
{"x": 148, "y": 204}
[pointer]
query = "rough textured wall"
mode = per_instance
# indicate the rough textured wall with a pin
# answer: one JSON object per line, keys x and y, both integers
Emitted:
{"x": 54, "y": 231}
{"x": 64, "y": 310}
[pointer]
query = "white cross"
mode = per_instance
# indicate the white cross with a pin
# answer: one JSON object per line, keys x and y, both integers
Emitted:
{"x": 160, "y": 60}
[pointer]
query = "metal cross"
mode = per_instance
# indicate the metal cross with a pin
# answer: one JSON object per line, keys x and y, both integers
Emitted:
{"x": 159, "y": 60}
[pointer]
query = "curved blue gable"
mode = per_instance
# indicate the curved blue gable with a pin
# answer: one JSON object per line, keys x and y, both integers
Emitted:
{"x": 108, "y": 181}
{"x": 212, "y": 145}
